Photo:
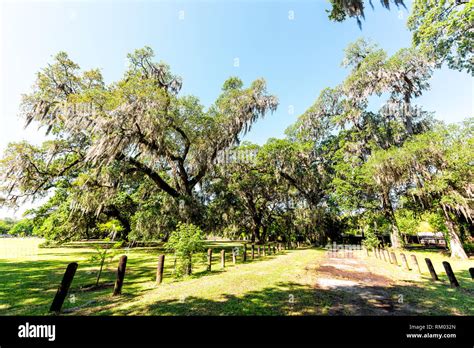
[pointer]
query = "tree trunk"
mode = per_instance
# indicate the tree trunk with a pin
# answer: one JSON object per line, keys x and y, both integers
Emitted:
{"x": 100, "y": 271}
{"x": 389, "y": 214}
{"x": 263, "y": 236}
{"x": 455, "y": 244}
{"x": 189, "y": 265}
{"x": 256, "y": 232}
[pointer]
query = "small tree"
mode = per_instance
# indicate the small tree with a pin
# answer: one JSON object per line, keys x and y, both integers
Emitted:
{"x": 185, "y": 241}
{"x": 371, "y": 241}
{"x": 101, "y": 255}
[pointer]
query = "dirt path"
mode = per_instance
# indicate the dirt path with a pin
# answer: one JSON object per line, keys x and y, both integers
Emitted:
{"x": 359, "y": 291}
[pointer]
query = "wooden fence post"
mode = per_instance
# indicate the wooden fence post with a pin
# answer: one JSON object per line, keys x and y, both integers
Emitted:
{"x": 253, "y": 251}
{"x": 189, "y": 266}
{"x": 449, "y": 272}
{"x": 434, "y": 276}
{"x": 258, "y": 250}
{"x": 415, "y": 261}
{"x": 383, "y": 255}
{"x": 63, "y": 287}
{"x": 120, "y": 275}
{"x": 209, "y": 259}
{"x": 367, "y": 251}
{"x": 244, "y": 254}
{"x": 394, "y": 257}
{"x": 223, "y": 258}
{"x": 159, "y": 269}
{"x": 234, "y": 257}
{"x": 404, "y": 261}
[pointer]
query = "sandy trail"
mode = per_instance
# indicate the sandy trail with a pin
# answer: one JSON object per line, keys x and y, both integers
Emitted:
{"x": 360, "y": 291}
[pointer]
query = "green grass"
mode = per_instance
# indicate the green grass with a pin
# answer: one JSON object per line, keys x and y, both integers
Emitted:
{"x": 281, "y": 284}
{"x": 29, "y": 275}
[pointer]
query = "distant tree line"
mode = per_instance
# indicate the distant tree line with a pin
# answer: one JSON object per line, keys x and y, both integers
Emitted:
{"x": 20, "y": 228}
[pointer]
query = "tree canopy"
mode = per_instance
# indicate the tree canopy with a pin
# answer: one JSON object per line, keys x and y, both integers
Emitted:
{"x": 135, "y": 160}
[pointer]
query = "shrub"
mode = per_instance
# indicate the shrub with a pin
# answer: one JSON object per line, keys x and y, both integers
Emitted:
{"x": 468, "y": 247}
{"x": 371, "y": 241}
{"x": 185, "y": 241}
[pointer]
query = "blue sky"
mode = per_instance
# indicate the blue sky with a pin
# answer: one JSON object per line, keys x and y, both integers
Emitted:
{"x": 202, "y": 41}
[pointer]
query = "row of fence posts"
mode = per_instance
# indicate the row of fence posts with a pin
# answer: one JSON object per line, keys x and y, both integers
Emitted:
{"x": 383, "y": 254}
{"x": 259, "y": 250}
{"x": 255, "y": 251}
{"x": 63, "y": 288}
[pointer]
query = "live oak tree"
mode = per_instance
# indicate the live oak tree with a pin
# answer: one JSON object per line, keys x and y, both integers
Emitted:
{"x": 104, "y": 134}
{"x": 137, "y": 154}
{"x": 247, "y": 190}
{"x": 343, "y": 110}
{"x": 436, "y": 168}
{"x": 306, "y": 166}
{"x": 444, "y": 30}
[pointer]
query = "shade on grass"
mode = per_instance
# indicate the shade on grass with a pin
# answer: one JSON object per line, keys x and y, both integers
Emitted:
{"x": 281, "y": 284}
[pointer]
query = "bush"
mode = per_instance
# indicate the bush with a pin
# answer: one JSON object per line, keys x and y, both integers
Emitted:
{"x": 371, "y": 241}
{"x": 468, "y": 247}
{"x": 185, "y": 241}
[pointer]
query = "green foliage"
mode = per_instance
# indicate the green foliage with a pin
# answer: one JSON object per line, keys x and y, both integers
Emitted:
{"x": 111, "y": 227}
{"x": 371, "y": 240}
{"x": 468, "y": 247}
{"x": 435, "y": 168}
{"x": 185, "y": 241}
{"x": 22, "y": 228}
{"x": 442, "y": 29}
{"x": 407, "y": 222}
{"x": 94, "y": 126}
{"x": 341, "y": 9}
{"x": 143, "y": 159}
{"x": 6, "y": 225}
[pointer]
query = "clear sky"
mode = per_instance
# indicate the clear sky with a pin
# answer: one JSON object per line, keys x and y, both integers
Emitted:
{"x": 291, "y": 44}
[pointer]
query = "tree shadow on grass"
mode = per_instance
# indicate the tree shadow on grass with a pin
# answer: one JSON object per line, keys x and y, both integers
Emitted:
{"x": 296, "y": 299}
{"x": 29, "y": 287}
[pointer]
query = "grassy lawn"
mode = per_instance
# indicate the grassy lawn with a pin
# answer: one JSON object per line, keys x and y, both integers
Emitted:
{"x": 281, "y": 284}
{"x": 29, "y": 276}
